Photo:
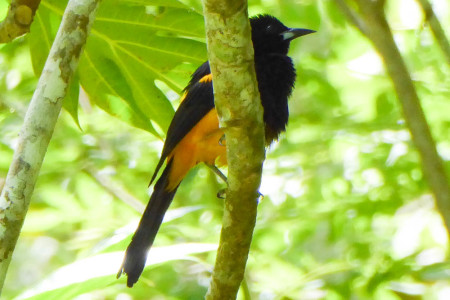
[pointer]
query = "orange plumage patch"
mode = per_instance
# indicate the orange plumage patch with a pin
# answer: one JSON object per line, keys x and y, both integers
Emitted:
{"x": 206, "y": 78}
{"x": 183, "y": 97}
{"x": 201, "y": 144}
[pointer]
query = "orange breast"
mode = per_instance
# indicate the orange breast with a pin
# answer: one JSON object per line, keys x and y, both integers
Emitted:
{"x": 201, "y": 144}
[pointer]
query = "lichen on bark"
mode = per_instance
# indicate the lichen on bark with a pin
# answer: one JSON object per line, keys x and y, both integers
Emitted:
{"x": 236, "y": 95}
{"x": 39, "y": 123}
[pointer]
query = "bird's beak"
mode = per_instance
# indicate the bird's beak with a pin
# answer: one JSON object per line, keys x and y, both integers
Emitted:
{"x": 293, "y": 33}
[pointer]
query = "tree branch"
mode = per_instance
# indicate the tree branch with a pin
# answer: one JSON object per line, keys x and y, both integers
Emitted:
{"x": 39, "y": 123}
{"x": 436, "y": 28}
{"x": 18, "y": 20}
{"x": 351, "y": 15}
{"x": 240, "y": 112}
{"x": 379, "y": 33}
{"x": 115, "y": 189}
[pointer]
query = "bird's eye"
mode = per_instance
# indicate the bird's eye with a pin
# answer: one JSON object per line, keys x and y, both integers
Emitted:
{"x": 269, "y": 28}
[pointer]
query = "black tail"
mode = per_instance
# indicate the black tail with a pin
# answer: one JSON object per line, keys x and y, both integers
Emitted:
{"x": 136, "y": 254}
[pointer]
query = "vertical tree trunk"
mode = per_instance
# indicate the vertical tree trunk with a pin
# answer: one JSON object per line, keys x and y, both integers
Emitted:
{"x": 240, "y": 112}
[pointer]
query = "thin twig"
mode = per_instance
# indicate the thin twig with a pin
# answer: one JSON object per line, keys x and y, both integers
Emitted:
{"x": 115, "y": 189}
{"x": 351, "y": 15}
{"x": 436, "y": 28}
{"x": 219, "y": 173}
{"x": 245, "y": 289}
{"x": 379, "y": 33}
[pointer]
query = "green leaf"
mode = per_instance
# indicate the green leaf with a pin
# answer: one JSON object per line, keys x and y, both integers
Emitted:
{"x": 88, "y": 274}
{"x": 41, "y": 38}
{"x": 106, "y": 86}
{"x": 166, "y": 3}
{"x": 71, "y": 101}
{"x": 130, "y": 46}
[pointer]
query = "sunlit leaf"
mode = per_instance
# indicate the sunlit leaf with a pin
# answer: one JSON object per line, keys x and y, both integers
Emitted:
{"x": 139, "y": 44}
{"x": 87, "y": 274}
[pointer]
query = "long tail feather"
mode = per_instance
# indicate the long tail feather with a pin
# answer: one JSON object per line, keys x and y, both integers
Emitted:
{"x": 136, "y": 254}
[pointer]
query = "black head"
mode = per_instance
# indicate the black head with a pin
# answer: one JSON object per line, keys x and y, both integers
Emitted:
{"x": 270, "y": 36}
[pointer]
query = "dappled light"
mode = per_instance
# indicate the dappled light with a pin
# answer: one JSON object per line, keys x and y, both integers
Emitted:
{"x": 346, "y": 211}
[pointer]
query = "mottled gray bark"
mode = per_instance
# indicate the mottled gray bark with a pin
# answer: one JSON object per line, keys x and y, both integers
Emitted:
{"x": 240, "y": 112}
{"x": 39, "y": 123}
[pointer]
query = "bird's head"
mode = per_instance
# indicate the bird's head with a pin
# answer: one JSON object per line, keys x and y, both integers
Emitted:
{"x": 270, "y": 36}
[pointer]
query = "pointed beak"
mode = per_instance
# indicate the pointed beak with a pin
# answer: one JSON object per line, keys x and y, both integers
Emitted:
{"x": 293, "y": 33}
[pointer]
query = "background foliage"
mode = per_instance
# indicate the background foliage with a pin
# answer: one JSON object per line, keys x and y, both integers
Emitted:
{"x": 346, "y": 213}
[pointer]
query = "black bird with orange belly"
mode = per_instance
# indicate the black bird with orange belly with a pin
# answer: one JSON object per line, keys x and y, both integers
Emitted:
{"x": 194, "y": 135}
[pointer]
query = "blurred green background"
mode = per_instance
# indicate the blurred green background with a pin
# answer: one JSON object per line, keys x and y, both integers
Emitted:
{"x": 347, "y": 213}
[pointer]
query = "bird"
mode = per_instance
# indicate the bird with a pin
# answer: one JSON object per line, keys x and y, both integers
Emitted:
{"x": 194, "y": 135}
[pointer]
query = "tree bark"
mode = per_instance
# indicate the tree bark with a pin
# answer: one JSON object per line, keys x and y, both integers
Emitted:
{"x": 240, "y": 112}
{"x": 436, "y": 28}
{"x": 18, "y": 20}
{"x": 39, "y": 124}
{"x": 371, "y": 21}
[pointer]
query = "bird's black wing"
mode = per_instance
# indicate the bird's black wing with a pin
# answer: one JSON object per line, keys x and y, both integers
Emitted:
{"x": 197, "y": 102}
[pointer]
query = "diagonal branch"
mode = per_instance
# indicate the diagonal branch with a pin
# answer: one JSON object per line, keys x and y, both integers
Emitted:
{"x": 240, "y": 112}
{"x": 115, "y": 189}
{"x": 351, "y": 15}
{"x": 39, "y": 123}
{"x": 436, "y": 28}
{"x": 18, "y": 20}
{"x": 379, "y": 33}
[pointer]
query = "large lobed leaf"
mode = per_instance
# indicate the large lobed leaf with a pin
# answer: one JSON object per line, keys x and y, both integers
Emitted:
{"x": 131, "y": 45}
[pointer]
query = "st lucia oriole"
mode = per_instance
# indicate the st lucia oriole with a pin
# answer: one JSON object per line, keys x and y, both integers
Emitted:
{"x": 194, "y": 135}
